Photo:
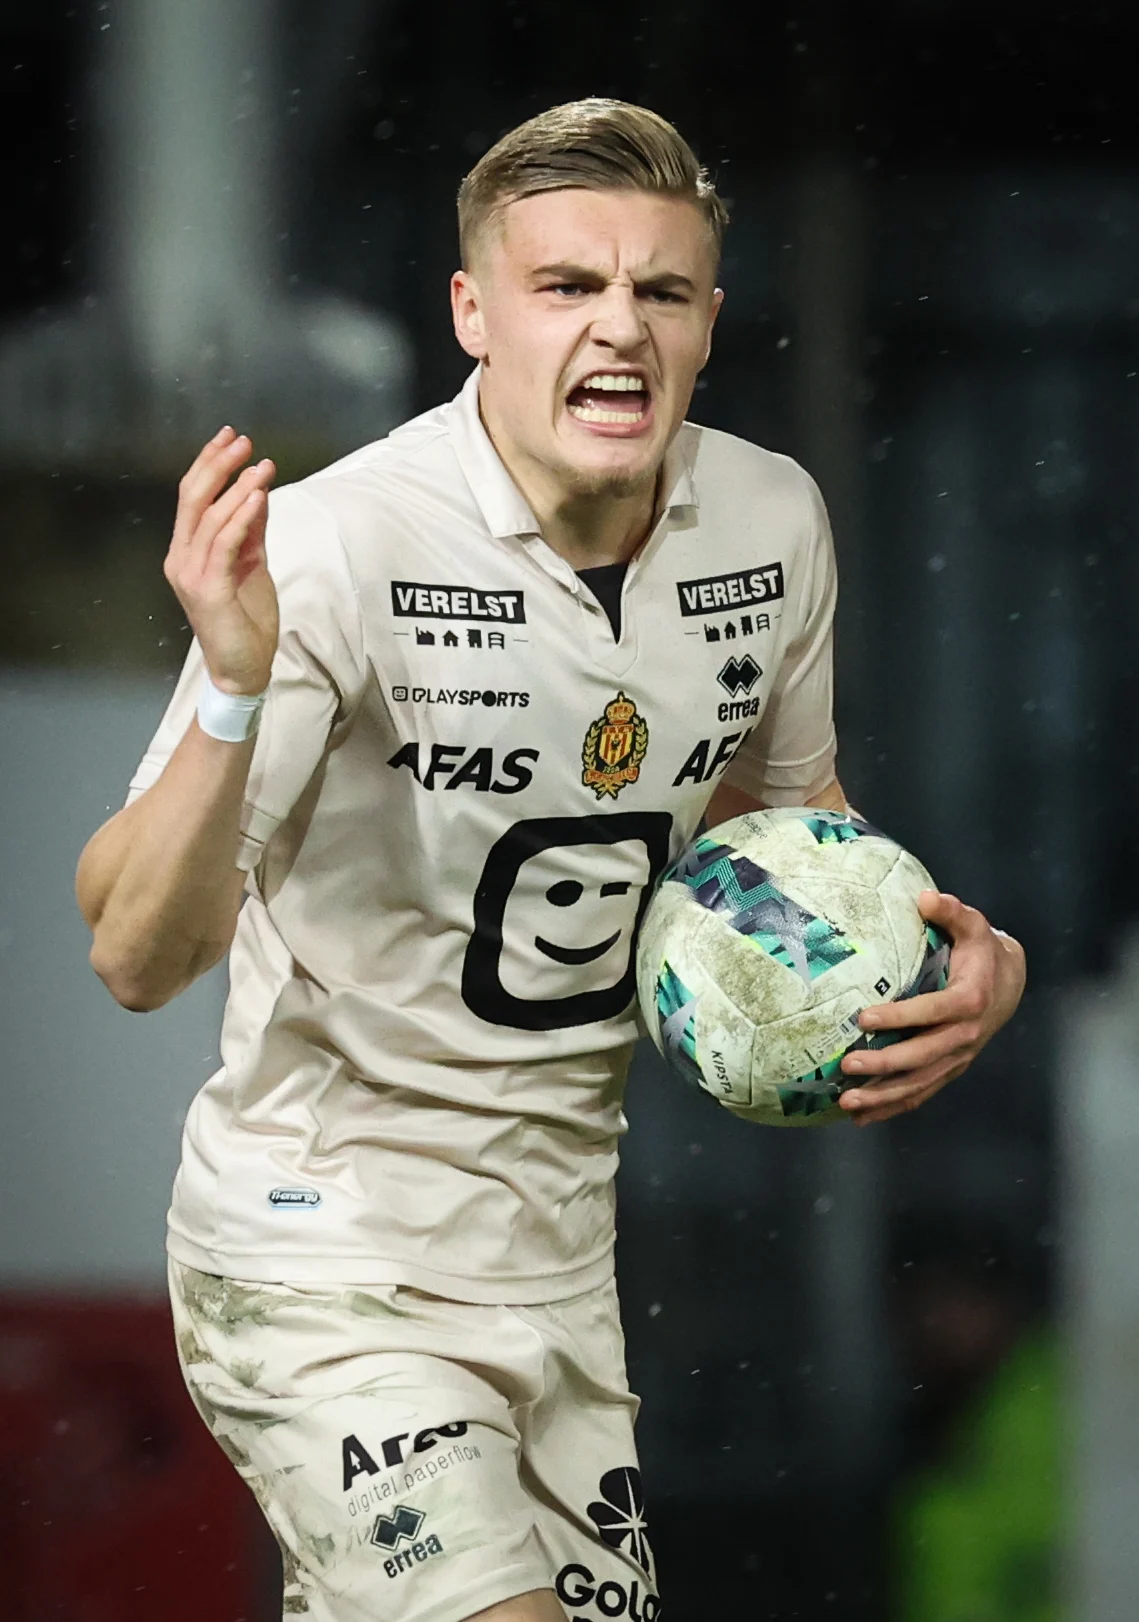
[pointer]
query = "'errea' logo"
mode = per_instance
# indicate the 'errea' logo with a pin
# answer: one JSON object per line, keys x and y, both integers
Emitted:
{"x": 392, "y": 1529}
{"x": 739, "y": 675}
{"x": 403, "y": 1527}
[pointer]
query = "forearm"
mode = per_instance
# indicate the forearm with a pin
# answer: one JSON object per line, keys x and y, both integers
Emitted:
{"x": 158, "y": 884}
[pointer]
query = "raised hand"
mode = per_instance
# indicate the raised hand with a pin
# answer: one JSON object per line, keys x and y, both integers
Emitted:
{"x": 216, "y": 563}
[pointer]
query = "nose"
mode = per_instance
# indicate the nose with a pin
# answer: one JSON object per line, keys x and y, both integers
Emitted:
{"x": 618, "y": 320}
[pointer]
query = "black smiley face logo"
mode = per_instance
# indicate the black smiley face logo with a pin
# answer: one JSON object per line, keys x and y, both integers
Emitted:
{"x": 636, "y": 840}
{"x": 565, "y": 893}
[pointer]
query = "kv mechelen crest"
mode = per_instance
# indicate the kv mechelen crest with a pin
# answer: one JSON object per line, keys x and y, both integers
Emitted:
{"x": 614, "y": 748}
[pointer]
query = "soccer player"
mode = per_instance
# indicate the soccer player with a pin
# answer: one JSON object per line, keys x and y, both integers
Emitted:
{"x": 451, "y": 705}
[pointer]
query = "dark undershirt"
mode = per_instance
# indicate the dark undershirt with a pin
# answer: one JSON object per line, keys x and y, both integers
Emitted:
{"x": 605, "y": 583}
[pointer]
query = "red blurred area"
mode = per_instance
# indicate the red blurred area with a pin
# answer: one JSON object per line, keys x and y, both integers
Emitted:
{"x": 116, "y": 1505}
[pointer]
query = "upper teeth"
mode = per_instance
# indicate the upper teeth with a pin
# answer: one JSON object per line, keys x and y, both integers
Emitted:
{"x": 614, "y": 380}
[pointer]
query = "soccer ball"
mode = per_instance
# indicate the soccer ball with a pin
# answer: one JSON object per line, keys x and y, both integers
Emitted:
{"x": 763, "y": 944}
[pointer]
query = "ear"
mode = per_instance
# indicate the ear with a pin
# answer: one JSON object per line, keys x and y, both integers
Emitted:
{"x": 467, "y": 314}
{"x": 717, "y": 301}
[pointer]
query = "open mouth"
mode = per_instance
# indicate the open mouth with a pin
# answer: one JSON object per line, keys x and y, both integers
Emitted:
{"x": 620, "y": 398}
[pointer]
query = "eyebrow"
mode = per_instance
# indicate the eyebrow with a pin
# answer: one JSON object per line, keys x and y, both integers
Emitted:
{"x": 665, "y": 280}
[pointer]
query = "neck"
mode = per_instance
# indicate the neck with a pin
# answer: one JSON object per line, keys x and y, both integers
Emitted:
{"x": 586, "y": 527}
{"x": 589, "y": 530}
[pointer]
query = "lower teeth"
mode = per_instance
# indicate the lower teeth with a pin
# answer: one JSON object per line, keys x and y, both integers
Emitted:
{"x": 596, "y": 414}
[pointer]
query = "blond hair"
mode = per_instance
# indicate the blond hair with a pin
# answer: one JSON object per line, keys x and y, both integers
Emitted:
{"x": 597, "y": 145}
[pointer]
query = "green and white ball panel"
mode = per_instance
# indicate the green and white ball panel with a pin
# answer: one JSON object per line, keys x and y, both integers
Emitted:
{"x": 898, "y": 895}
{"x": 707, "y": 1038}
{"x": 795, "y": 839}
{"x": 763, "y": 944}
{"x": 754, "y": 1024}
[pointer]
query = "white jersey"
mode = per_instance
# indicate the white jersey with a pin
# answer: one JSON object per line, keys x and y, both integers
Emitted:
{"x": 463, "y": 789}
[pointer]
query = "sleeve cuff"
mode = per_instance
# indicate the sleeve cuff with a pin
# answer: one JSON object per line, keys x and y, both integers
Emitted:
{"x": 257, "y": 828}
{"x": 785, "y": 783}
{"x": 144, "y": 778}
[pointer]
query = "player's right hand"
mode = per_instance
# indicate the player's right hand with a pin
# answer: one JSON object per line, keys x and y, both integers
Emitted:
{"x": 216, "y": 563}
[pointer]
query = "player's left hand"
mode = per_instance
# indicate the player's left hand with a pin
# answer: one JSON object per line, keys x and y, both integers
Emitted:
{"x": 986, "y": 979}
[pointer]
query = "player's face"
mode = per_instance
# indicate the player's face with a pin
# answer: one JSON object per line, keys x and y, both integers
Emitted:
{"x": 592, "y": 312}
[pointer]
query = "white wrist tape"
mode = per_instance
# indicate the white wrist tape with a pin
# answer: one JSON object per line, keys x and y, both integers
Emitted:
{"x": 232, "y": 717}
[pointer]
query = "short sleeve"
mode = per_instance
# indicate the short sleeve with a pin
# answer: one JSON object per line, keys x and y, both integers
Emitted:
{"x": 318, "y": 672}
{"x": 791, "y": 754}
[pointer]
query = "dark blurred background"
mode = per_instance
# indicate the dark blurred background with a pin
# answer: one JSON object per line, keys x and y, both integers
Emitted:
{"x": 887, "y": 1374}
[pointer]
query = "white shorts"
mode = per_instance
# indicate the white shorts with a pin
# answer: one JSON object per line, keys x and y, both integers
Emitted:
{"x": 420, "y": 1459}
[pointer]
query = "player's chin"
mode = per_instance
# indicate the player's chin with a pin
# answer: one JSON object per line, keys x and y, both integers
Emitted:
{"x": 617, "y": 465}
{"x": 612, "y": 481}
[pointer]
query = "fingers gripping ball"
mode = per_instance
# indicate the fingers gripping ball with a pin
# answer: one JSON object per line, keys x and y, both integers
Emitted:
{"x": 764, "y": 943}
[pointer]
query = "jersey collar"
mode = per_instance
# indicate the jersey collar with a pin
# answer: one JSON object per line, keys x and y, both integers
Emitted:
{"x": 678, "y": 483}
{"x": 503, "y": 506}
{"x": 505, "y": 510}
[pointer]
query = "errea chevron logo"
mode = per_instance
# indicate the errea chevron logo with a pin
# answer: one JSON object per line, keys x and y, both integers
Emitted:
{"x": 739, "y": 675}
{"x": 391, "y": 1530}
{"x": 403, "y": 1527}
{"x": 620, "y": 1516}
